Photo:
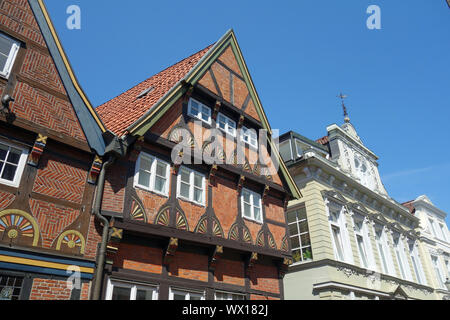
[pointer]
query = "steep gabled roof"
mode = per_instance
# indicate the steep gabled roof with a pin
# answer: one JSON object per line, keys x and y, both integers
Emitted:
{"x": 129, "y": 114}
{"x": 122, "y": 111}
{"x": 88, "y": 118}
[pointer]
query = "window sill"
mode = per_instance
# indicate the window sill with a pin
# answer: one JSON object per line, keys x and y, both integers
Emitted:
{"x": 151, "y": 191}
{"x": 191, "y": 201}
{"x": 253, "y": 220}
{"x": 9, "y": 183}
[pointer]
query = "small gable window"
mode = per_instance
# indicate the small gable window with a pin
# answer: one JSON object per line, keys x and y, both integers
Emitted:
{"x": 12, "y": 164}
{"x": 249, "y": 136}
{"x": 226, "y": 124}
{"x": 8, "y": 53}
{"x": 152, "y": 174}
{"x": 199, "y": 110}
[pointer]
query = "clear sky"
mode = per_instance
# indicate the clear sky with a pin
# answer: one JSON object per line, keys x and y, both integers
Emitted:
{"x": 301, "y": 55}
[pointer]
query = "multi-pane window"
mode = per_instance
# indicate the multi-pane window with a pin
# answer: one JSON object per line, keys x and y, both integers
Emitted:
{"x": 438, "y": 271}
{"x": 191, "y": 186}
{"x": 226, "y": 124}
{"x": 219, "y": 295}
{"x": 152, "y": 174}
{"x": 359, "y": 233}
{"x": 199, "y": 110}
{"x": 8, "y": 53}
{"x": 443, "y": 231}
{"x": 299, "y": 235}
{"x": 121, "y": 290}
{"x": 379, "y": 237}
{"x": 10, "y": 287}
{"x": 433, "y": 228}
{"x": 181, "y": 294}
{"x": 251, "y": 205}
{"x": 12, "y": 163}
{"x": 417, "y": 265}
{"x": 401, "y": 259}
{"x": 249, "y": 136}
{"x": 337, "y": 233}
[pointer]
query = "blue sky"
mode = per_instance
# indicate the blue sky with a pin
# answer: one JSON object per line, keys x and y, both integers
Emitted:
{"x": 301, "y": 54}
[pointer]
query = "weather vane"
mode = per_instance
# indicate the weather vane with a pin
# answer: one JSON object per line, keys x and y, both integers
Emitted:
{"x": 342, "y": 97}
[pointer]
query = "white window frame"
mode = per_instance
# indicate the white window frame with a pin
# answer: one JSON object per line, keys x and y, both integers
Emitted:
{"x": 362, "y": 234}
{"x": 11, "y": 56}
{"x": 343, "y": 236}
{"x": 443, "y": 230}
{"x": 384, "y": 252}
{"x": 133, "y": 286}
{"x": 20, "y": 166}
{"x": 252, "y": 140}
{"x": 227, "y": 124}
{"x": 252, "y": 205}
{"x": 417, "y": 264}
{"x": 403, "y": 265}
{"x": 188, "y": 293}
{"x": 192, "y": 174}
{"x": 152, "y": 173}
{"x": 230, "y": 295}
{"x": 433, "y": 228}
{"x": 438, "y": 271}
{"x": 202, "y": 108}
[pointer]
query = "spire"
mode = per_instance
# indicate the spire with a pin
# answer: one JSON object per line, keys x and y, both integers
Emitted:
{"x": 346, "y": 117}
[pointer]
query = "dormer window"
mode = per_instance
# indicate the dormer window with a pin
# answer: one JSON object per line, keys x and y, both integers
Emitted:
{"x": 8, "y": 53}
{"x": 249, "y": 136}
{"x": 199, "y": 110}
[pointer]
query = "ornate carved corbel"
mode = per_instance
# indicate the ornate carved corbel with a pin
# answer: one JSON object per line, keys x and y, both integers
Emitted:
{"x": 251, "y": 261}
{"x": 95, "y": 170}
{"x": 241, "y": 183}
{"x": 218, "y": 252}
{"x": 116, "y": 234}
{"x": 38, "y": 150}
{"x": 241, "y": 121}
{"x": 284, "y": 267}
{"x": 216, "y": 109}
{"x": 212, "y": 172}
{"x": 265, "y": 192}
{"x": 170, "y": 251}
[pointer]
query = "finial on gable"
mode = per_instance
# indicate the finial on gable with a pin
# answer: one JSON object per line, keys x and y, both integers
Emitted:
{"x": 346, "y": 117}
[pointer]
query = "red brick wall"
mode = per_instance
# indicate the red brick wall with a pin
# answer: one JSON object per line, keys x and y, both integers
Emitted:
{"x": 138, "y": 258}
{"x": 94, "y": 236}
{"x": 225, "y": 203}
{"x": 264, "y": 278}
{"x": 52, "y": 219}
{"x": 189, "y": 266}
{"x": 45, "y": 289}
{"x": 114, "y": 193}
{"x": 40, "y": 67}
{"x": 193, "y": 212}
{"x": 85, "y": 287}
{"x": 152, "y": 203}
{"x": 44, "y": 109}
{"x": 6, "y": 199}
{"x": 17, "y": 16}
{"x": 60, "y": 179}
{"x": 230, "y": 271}
{"x": 274, "y": 209}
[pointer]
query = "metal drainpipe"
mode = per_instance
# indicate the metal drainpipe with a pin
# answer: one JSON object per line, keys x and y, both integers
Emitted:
{"x": 97, "y": 211}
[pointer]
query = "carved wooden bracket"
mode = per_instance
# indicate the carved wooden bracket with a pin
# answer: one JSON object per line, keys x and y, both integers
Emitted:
{"x": 265, "y": 192}
{"x": 170, "y": 251}
{"x": 116, "y": 234}
{"x": 284, "y": 267}
{"x": 134, "y": 154}
{"x": 212, "y": 173}
{"x": 286, "y": 202}
{"x": 38, "y": 150}
{"x": 251, "y": 262}
{"x": 218, "y": 252}
{"x": 241, "y": 121}
{"x": 216, "y": 109}
{"x": 241, "y": 183}
{"x": 95, "y": 170}
{"x": 189, "y": 92}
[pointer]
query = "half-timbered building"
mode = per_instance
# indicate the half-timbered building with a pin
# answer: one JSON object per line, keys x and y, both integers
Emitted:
{"x": 206, "y": 230}
{"x": 50, "y": 143}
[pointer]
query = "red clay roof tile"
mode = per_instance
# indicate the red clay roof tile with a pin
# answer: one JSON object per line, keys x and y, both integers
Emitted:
{"x": 122, "y": 111}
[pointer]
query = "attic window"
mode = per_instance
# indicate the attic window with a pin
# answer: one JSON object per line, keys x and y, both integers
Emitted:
{"x": 145, "y": 92}
{"x": 8, "y": 53}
